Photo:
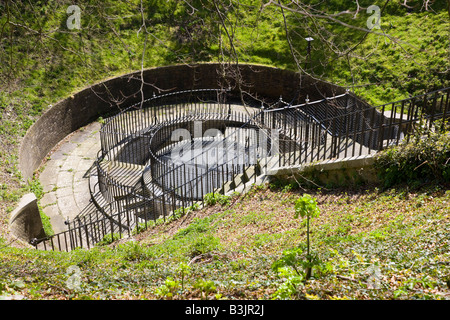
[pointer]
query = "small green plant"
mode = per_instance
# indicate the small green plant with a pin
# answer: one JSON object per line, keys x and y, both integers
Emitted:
{"x": 283, "y": 185}
{"x": 133, "y": 251}
{"x": 204, "y": 244}
{"x": 46, "y": 223}
{"x": 35, "y": 186}
{"x": 195, "y": 206}
{"x": 294, "y": 266}
{"x": 206, "y": 287}
{"x": 214, "y": 198}
{"x": 306, "y": 206}
{"x": 290, "y": 287}
{"x": 183, "y": 270}
{"x": 210, "y": 199}
{"x": 108, "y": 239}
{"x": 168, "y": 289}
{"x": 180, "y": 212}
{"x": 139, "y": 228}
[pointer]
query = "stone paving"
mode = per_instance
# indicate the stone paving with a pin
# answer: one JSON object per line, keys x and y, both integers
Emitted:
{"x": 65, "y": 178}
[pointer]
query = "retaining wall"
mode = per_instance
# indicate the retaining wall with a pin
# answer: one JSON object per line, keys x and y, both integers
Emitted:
{"x": 25, "y": 222}
{"x": 104, "y": 98}
{"x": 339, "y": 172}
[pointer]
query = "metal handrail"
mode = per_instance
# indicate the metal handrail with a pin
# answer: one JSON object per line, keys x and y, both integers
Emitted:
{"x": 300, "y": 138}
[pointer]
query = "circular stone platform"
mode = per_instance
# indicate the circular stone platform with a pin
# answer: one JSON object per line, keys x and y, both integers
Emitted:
{"x": 65, "y": 177}
{"x": 66, "y": 174}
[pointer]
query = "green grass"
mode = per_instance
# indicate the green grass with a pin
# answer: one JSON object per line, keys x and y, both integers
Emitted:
{"x": 405, "y": 233}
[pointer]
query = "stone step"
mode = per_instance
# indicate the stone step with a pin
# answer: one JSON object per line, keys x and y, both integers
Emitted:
{"x": 240, "y": 179}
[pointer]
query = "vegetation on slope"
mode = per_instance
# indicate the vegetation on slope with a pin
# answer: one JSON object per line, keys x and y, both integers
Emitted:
{"x": 371, "y": 244}
{"x": 423, "y": 159}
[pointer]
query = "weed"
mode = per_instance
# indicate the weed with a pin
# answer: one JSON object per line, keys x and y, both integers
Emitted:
{"x": 141, "y": 226}
{"x": 35, "y": 186}
{"x": 108, "y": 239}
{"x": 306, "y": 206}
{"x": 423, "y": 159}
{"x": 291, "y": 285}
{"x": 133, "y": 251}
{"x": 183, "y": 270}
{"x": 168, "y": 289}
{"x": 214, "y": 198}
{"x": 203, "y": 244}
{"x": 206, "y": 287}
{"x": 294, "y": 266}
{"x": 198, "y": 225}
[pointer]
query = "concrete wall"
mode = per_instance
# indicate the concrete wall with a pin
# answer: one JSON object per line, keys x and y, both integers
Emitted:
{"x": 101, "y": 99}
{"x": 340, "y": 172}
{"x": 25, "y": 221}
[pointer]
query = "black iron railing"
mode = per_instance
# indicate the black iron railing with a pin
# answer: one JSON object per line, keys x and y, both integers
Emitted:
{"x": 167, "y": 152}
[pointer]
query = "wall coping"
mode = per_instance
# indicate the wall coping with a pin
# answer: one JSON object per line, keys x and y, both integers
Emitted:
{"x": 326, "y": 165}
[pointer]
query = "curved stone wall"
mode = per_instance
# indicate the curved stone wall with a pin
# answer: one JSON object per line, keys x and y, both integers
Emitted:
{"x": 25, "y": 222}
{"x": 104, "y": 98}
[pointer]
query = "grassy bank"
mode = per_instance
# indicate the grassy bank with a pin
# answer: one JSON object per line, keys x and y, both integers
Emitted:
{"x": 228, "y": 252}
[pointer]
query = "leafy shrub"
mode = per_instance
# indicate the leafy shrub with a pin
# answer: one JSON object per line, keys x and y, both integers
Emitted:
{"x": 290, "y": 288}
{"x": 133, "y": 251}
{"x": 306, "y": 206}
{"x": 35, "y": 186}
{"x": 141, "y": 226}
{"x": 204, "y": 244}
{"x": 205, "y": 287}
{"x": 169, "y": 289}
{"x": 425, "y": 158}
{"x": 198, "y": 225}
{"x": 108, "y": 239}
{"x": 294, "y": 266}
{"x": 180, "y": 212}
{"x": 283, "y": 185}
{"x": 213, "y": 198}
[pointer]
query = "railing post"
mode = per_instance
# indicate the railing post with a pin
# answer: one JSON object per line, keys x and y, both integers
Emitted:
{"x": 67, "y": 222}
{"x": 119, "y": 216}
{"x": 400, "y": 123}
{"x": 59, "y": 242}
{"x": 362, "y": 138}
{"x": 112, "y": 228}
{"x": 393, "y": 112}
{"x": 446, "y": 109}
{"x": 65, "y": 241}
{"x": 381, "y": 130}
{"x": 81, "y": 234}
{"x": 87, "y": 236}
{"x": 163, "y": 189}
{"x": 433, "y": 109}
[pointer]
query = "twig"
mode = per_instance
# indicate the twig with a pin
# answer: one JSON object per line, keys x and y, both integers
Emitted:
{"x": 346, "y": 278}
